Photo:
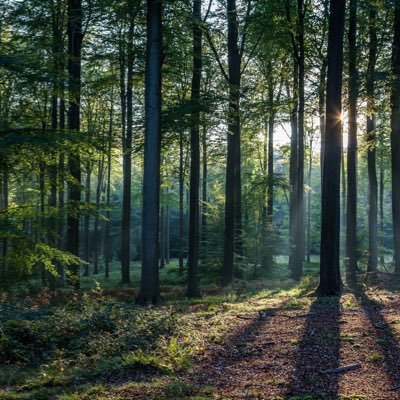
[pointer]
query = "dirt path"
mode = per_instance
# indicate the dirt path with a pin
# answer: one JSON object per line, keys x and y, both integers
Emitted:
{"x": 282, "y": 354}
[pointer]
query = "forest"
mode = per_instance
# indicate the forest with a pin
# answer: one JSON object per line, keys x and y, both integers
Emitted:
{"x": 200, "y": 199}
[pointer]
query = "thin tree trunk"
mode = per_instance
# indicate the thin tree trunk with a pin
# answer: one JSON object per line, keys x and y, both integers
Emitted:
{"x": 96, "y": 242}
{"x": 309, "y": 203}
{"x": 127, "y": 165}
{"x": 41, "y": 235}
{"x": 268, "y": 257}
{"x": 162, "y": 237}
{"x": 371, "y": 145}
{"x": 181, "y": 214}
{"x": 5, "y": 195}
{"x": 381, "y": 214}
{"x": 204, "y": 191}
{"x": 343, "y": 205}
{"x": 75, "y": 37}
{"x": 321, "y": 111}
{"x": 52, "y": 203}
{"x": 293, "y": 173}
{"x": 351, "y": 222}
{"x": 167, "y": 241}
{"x": 299, "y": 255}
{"x": 106, "y": 245}
{"x": 194, "y": 206}
{"x": 86, "y": 219}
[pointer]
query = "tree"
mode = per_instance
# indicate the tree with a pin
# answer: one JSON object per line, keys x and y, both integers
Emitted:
{"x": 150, "y": 285}
{"x": 233, "y": 192}
{"x": 330, "y": 282}
{"x": 296, "y": 256}
{"x": 75, "y": 37}
{"x": 126, "y": 153}
{"x": 194, "y": 210}
{"x": 351, "y": 225}
{"x": 395, "y": 135}
{"x": 371, "y": 143}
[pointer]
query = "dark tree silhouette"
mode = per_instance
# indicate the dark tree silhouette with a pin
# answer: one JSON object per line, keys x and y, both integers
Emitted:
{"x": 127, "y": 160}
{"x": 233, "y": 183}
{"x": 150, "y": 285}
{"x": 330, "y": 282}
{"x": 351, "y": 225}
{"x": 194, "y": 209}
{"x": 395, "y": 135}
{"x": 75, "y": 37}
{"x": 371, "y": 143}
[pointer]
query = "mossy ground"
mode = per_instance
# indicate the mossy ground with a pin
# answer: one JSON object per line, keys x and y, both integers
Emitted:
{"x": 267, "y": 339}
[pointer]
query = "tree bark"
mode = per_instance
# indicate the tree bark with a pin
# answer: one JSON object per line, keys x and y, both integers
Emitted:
{"x": 86, "y": 219}
{"x": 162, "y": 237}
{"x": 106, "y": 245}
{"x": 181, "y": 213}
{"x": 194, "y": 202}
{"x": 395, "y": 135}
{"x": 106, "y": 240}
{"x": 351, "y": 223}
{"x": 308, "y": 247}
{"x": 299, "y": 255}
{"x": 149, "y": 285}
{"x": 293, "y": 173}
{"x": 96, "y": 235}
{"x": 330, "y": 281}
{"x": 204, "y": 191}
{"x": 75, "y": 37}
{"x": 371, "y": 144}
{"x": 381, "y": 214}
{"x": 127, "y": 163}
{"x": 4, "y": 195}
{"x": 232, "y": 237}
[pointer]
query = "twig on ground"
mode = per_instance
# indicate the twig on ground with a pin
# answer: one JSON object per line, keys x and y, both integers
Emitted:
{"x": 345, "y": 368}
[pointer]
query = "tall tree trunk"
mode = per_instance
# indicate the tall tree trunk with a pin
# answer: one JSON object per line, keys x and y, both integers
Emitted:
{"x": 321, "y": 110}
{"x": 52, "y": 202}
{"x": 395, "y": 135}
{"x": 96, "y": 242}
{"x": 299, "y": 257}
{"x": 75, "y": 37}
{"x": 61, "y": 190}
{"x": 42, "y": 236}
{"x": 268, "y": 257}
{"x": 194, "y": 206}
{"x": 351, "y": 223}
{"x": 232, "y": 237}
{"x": 293, "y": 173}
{"x": 167, "y": 241}
{"x": 381, "y": 214}
{"x": 308, "y": 252}
{"x": 86, "y": 219}
{"x": 204, "y": 191}
{"x": 162, "y": 237}
{"x": 127, "y": 165}
{"x": 343, "y": 205}
{"x": 150, "y": 285}
{"x": 330, "y": 281}
{"x": 181, "y": 213}
{"x": 106, "y": 245}
{"x": 371, "y": 145}
{"x": 4, "y": 195}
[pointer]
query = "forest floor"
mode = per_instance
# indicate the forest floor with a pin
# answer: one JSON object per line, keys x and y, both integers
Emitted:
{"x": 255, "y": 341}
